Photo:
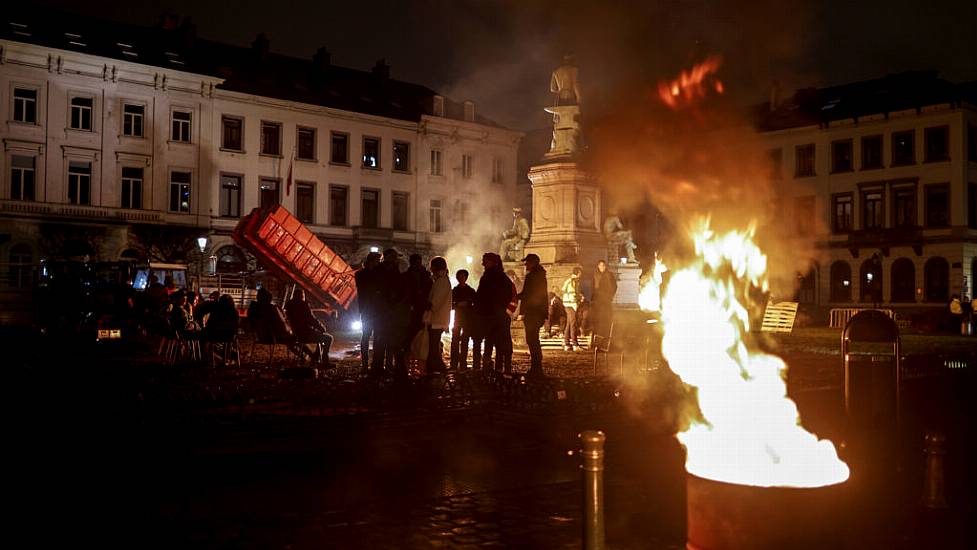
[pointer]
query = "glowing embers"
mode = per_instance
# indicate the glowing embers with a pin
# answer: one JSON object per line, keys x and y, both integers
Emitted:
{"x": 649, "y": 298}
{"x": 691, "y": 85}
{"x": 749, "y": 432}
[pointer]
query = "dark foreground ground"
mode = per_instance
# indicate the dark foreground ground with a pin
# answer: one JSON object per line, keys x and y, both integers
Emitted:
{"x": 107, "y": 448}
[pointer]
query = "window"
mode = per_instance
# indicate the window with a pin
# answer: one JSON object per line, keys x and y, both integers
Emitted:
{"x": 972, "y": 143}
{"x": 937, "y": 206}
{"x": 339, "y": 151}
{"x": 132, "y": 119}
{"x": 903, "y": 274}
{"x": 871, "y": 152}
{"x": 306, "y": 144}
{"x": 22, "y": 178}
{"x": 870, "y": 280}
{"x": 230, "y": 196}
{"x": 841, "y": 155}
{"x": 804, "y": 163}
{"x": 872, "y": 211}
{"x": 436, "y": 167}
{"x": 25, "y": 105}
{"x": 370, "y": 208}
{"x": 21, "y": 273}
{"x": 305, "y": 202}
{"x": 936, "y": 144}
{"x": 841, "y": 217}
{"x": 904, "y": 207}
{"x": 401, "y": 156}
{"x": 903, "y": 148}
{"x": 271, "y": 138}
{"x": 79, "y": 182}
{"x": 268, "y": 192}
{"x": 181, "y": 127}
{"x": 401, "y": 202}
{"x": 180, "y": 192}
{"x": 936, "y": 280}
{"x": 467, "y": 170}
{"x": 338, "y": 199}
{"x": 371, "y": 153}
{"x": 131, "y": 187}
{"x": 498, "y": 171}
{"x": 435, "y": 216}
{"x": 232, "y": 133}
{"x": 804, "y": 212}
{"x": 776, "y": 159}
{"x": 972, "y": 209}
{"x": 840, "y": 282}
{"x": 81, "y": 113}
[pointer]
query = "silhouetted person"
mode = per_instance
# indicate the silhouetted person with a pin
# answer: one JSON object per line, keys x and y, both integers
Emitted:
{"x": 308, "y": 329}
{"x": 222, "y": 319}
{"x": 268, "y": 321}
{"x": 491, "y": 302}
{"x": 463, "y": 303}
{"x": 367, "y": 296}
{"x": 393, "y": 312}
{"x": 206, "y": 307}
{"x": 601, "y": 311}
{"x": 439, "y": 313}
{"x": 557, "y": 315}
{"x": 534, "y": 306}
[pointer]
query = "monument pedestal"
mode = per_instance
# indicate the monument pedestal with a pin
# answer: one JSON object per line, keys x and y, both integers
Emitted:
{"x": 628, "y": 285}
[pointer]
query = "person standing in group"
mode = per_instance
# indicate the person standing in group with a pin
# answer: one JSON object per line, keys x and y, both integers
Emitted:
{"x": 417, "y": 287}
{"x": 366, "y": 297}
{"x": 572, "y": 299}
{"x": 601, "y": 307}
{"x": 534, "y": 305}
{"x": 392, "y": 312}
{"x": 438, "y": 313}
{"x": 491, "y": 300}
{"x": 463, "y": 303}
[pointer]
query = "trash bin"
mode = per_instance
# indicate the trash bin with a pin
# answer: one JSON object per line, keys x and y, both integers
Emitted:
{"x": 870, "y": 346}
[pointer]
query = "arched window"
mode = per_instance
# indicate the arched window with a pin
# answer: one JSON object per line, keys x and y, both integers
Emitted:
{"x": 870, "y": 281}
{"x": 903, "y": 280}
{"x": 936, "y": 280}
{"x": 840, "y": 282}
{"x": 230, "y": 259}
{"x": 21, "y": 264}
{"x": 807, "y": 286}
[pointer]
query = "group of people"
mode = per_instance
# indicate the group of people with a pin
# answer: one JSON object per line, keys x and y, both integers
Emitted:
{"x": 396, "y": 306}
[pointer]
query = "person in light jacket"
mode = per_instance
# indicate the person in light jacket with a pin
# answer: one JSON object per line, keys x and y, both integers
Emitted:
{"x": 439, "y": 313}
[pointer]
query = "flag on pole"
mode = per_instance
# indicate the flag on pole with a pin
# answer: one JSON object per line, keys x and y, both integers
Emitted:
{"x": 288, "y": 180}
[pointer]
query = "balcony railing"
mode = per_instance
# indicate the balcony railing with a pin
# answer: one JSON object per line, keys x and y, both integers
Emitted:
{"x": 886, "y": 236}
{"x": 77, "y": 211}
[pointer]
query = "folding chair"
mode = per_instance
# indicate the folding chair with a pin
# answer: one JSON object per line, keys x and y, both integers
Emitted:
{"x": 605, "y": 345}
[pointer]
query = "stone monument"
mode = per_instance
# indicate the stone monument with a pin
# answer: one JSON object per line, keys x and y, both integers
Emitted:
{"x": 567, "y": 231}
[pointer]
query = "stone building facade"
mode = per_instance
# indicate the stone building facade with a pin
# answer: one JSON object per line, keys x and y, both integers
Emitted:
{"x": 883, "y": 174}
{"x": 121, "y": 141}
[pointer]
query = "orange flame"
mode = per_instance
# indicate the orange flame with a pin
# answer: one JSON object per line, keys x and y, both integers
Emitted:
{"x": 691, "y": 85}
{"x": 750, "y": 431}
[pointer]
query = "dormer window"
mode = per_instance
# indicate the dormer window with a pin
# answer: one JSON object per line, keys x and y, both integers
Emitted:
{"x": 438, "y": 108}
{"x": 469, "y": 111}
{"x": 74, "y": 39}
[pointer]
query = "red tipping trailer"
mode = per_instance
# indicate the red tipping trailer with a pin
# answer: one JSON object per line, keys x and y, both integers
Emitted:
{"x": 284, "y": 245}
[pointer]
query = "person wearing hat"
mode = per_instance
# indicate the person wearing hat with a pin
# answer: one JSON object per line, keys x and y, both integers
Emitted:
{"x": 514, "y": 238}
{"x": 535, "y": 307}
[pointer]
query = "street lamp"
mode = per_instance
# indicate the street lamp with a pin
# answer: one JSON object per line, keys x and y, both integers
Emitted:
{"x": 202, "y": 244}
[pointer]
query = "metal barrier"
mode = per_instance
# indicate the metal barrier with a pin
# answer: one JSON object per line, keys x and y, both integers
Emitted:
{"x": 840, "y": 316}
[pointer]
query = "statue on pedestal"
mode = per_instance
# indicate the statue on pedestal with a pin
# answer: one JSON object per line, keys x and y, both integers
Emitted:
{"x": 618, "y": 236}
{"x": 514, "y": 238}
{"x": 565, "y": 84}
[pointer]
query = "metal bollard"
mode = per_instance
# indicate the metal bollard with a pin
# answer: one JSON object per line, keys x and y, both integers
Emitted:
{"x": 593, "y": 489}
{"x": 934, "y": 487}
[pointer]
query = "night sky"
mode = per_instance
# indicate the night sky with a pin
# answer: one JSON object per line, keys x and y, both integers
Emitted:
{"x": 500, "y": 53}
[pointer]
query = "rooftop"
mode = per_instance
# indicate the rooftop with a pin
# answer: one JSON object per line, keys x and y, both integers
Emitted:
{"x": 173, "y": 43}
{"x": 891, "y": 93}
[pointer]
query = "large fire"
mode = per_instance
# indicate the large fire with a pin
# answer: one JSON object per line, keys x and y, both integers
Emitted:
{"x": 649, "y": 298}
{"x": 750, "y": 432}
{"x": 691, "y": 85}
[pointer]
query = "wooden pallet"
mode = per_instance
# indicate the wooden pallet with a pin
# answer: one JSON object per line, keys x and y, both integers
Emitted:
{"x": 779, "y": 317}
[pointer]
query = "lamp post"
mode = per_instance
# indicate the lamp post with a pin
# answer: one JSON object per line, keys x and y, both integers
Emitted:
{"x": 202, "y": 244}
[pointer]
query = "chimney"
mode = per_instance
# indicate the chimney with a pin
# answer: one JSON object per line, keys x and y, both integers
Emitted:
{"x": 774, "y": 95}
{"x": 322, "y": 58}
{"x": 381, "y": 70}
{"x": 469, "y": 111}
{"x": 261, "y": 46}
{"x": 438, "y": 106}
